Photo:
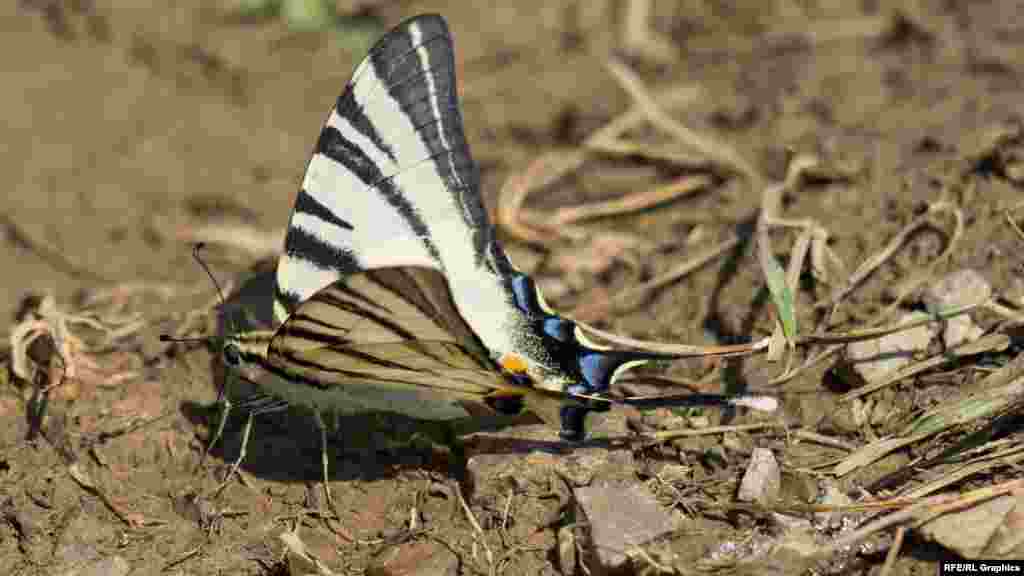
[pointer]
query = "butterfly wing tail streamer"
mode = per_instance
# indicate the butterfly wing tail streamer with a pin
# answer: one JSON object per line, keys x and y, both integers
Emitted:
{"x": 759, "y": 403}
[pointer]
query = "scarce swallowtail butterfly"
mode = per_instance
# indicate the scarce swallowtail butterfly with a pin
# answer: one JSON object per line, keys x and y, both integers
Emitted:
{"x": 393, "y": 293}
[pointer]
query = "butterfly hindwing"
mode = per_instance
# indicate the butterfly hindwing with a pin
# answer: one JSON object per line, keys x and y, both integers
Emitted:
{"x": 391, "y": 181}
{"x": 387, "y": 339}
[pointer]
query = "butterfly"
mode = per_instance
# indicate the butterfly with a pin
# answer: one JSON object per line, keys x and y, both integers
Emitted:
{"x": 393, "y": 293}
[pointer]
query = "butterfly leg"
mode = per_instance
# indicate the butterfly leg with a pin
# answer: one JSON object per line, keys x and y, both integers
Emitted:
{"x": 324, "y": 461}
{"x": 241, "y": 455}
{"x": 254, "y": 406}
{"x": 340, "y": 531}
{"x": 224, "y": 405}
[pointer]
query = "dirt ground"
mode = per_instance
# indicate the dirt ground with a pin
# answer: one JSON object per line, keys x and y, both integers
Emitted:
{"x": 127, "y": 123}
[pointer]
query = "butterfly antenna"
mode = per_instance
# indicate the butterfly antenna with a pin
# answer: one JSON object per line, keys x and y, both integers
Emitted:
{"x": 202, "y": 264}
{"x": 220, "y": 295}
{"x": 222, "y": 402}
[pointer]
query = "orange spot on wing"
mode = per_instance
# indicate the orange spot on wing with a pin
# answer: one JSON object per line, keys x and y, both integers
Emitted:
{"x": 513, "y": 363}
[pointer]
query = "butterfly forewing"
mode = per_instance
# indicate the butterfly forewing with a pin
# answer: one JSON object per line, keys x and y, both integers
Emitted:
{"x": 391, "y": 181}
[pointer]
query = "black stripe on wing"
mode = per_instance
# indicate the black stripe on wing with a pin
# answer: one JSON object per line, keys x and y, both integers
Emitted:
{"x": 333, "y": 144}
{"x": 307, "y": 204}
{"x": 301, "y": 245}
{"x": 320, "y": 325}
{"x": 395, "y": 48}
{"x": 428, "y": 292}
{"x": 305, "y": 358}
{"x": 335, "y": 296}
{"x": 416, "y": 65}
{"x": 290, "y": 371}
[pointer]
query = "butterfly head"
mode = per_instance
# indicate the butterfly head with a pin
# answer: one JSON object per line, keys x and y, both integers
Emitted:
{"x": 557, "y": 356}
{"x": 243, "y": 353}
{"x": 231, "y": 353}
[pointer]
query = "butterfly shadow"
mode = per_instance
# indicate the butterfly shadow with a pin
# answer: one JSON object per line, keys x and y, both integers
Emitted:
{"x": 285, "y": 445}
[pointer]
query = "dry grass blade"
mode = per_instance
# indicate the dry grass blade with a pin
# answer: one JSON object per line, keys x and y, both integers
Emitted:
{"x": 609, "y": 138}
{"x": 835, "y": 341}
{"x": 530, "y": 226}
{"x": 673, "y": 434}
{"x": 511, "y": 214}
{"x": 722, "y": 155}
{"x": 989, "y": 343}
{"x": 872, "y": 263}
{"x": 938, "y": 420}
{"x": 479, "y": 531}
{"x": 873, "y": 452}
{"x": 922, "y": 512}
{"x": 894, "y": 552}
{"x": 131, "y": 519}
{"x": 652, "y": 152}
{"x": 879, "y": 331}
{"x": 679, "y": 350}
{"x": 822, "y": 439}
{"x": 1013, "y": 223}
{"x": 807, "y": 364}
{"x": 673, "y": 97}
{"x": 1010, "y": 458}
{"x": 928, "y": 273}
{"x": 974, "y": 407}
{"x": 633, "y": 202}
{"x": 1012, "y": 316}
{"x": 640, "y": 39}
{"x": 299, "y": 559}
{"x": 908, "y": 509}
{"x": 945, "y": 504}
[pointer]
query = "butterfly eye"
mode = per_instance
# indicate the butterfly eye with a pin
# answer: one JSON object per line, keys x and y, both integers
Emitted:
{"x": 232, "y": 355}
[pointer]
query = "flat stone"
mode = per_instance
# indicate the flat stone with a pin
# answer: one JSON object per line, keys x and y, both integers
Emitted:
{"x": 620, "y": 516}
{"x": 958, "y": 288}
{"x": 960, "y": 330}
{"x": 531, "y": 454}
{"x": 987, "y": 530}
{"x": 873, "y": 360}
{"x": 762, "y": 480}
